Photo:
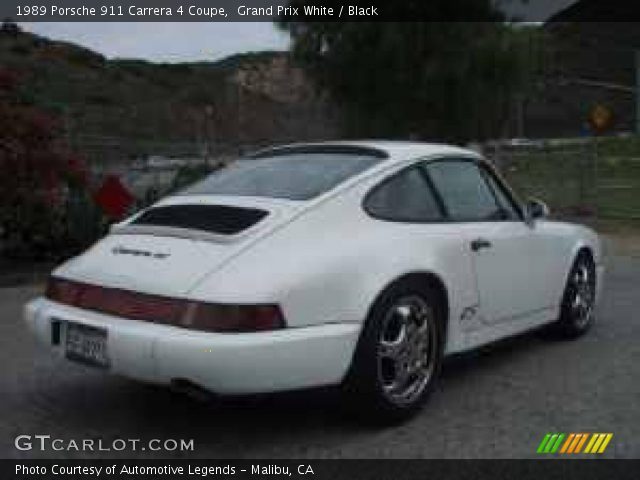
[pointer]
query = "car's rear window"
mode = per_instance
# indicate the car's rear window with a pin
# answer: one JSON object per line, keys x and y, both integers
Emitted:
{"x": 290, "y": 175}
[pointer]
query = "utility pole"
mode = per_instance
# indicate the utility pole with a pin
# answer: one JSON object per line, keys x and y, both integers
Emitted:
{"x": 520, "y": 114}
{"x": 208, "y": 129}
{"x": 637, "y": 93}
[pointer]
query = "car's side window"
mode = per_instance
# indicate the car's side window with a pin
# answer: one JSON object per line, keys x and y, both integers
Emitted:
{"x": 405, "y": 197}
{"x": 504, "y": 201}
{"x": 464, "y": 191}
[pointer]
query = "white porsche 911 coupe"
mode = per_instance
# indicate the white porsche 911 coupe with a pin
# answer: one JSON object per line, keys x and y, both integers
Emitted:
{"x": 358, "y": 264}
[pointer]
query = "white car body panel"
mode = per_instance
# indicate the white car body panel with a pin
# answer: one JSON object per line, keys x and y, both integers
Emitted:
{"x": 324, "y": 262}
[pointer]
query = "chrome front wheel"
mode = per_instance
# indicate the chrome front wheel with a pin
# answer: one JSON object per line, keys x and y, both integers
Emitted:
{"x": 583, "y": 295}
{"x": 579, "y": 300}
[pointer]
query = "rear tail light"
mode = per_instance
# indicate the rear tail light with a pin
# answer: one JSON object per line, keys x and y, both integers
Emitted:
{"x": 165, "y": 310}
{"x": 233, "y": 318}
{"x": 62, "y": 291}
{"x": 114, "y": 301}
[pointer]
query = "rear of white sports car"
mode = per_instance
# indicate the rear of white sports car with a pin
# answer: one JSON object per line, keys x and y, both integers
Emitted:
{"x": 174, "y": 294}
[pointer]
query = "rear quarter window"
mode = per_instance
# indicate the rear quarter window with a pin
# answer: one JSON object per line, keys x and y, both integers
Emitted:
{"x": 405, "y": 197}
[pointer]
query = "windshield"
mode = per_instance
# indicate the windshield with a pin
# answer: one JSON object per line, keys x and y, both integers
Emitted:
{"x": 292, "y": 176}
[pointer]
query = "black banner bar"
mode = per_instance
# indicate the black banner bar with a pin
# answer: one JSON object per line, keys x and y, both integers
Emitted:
{"x": 322, "y": 469}
{"x": 315, "y": 10}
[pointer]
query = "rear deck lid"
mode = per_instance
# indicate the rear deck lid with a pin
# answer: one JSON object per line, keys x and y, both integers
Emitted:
{"x": 169, "y": 248}
{"x": 149, "y": 264}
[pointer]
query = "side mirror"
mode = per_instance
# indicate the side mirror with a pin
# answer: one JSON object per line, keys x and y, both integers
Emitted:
{"x": 536, "y": 209}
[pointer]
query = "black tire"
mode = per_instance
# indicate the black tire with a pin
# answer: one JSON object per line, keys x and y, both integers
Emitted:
{"x": 577, "y": 310}
{"x": 368, "y": 386}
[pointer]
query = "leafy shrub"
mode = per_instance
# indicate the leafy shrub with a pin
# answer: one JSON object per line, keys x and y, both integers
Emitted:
{"x": 44, "y": 196}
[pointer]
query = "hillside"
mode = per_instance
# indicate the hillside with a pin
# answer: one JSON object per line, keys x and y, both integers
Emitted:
{"x": 252, "y": 98}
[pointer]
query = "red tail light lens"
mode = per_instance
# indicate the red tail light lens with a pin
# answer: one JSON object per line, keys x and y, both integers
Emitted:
{"x": 233, "y": 318}
{"x": 158, "y": 309}
{"x": 114, "y": 301}
{"x": 62, "y": 291}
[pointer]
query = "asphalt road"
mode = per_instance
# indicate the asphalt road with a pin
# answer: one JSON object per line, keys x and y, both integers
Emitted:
{"x": 497, "y": 403}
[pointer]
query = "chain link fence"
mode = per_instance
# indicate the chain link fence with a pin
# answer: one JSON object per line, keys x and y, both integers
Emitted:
{"x": 588, "y": 177}
{"x": 595, "y": 177}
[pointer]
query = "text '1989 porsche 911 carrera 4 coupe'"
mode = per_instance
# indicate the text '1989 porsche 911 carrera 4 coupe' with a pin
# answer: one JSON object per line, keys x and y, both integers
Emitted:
{"x": 354, "y": 264}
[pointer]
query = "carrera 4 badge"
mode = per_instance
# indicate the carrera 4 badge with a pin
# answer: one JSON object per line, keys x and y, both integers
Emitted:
{"x": 120, "y": 250}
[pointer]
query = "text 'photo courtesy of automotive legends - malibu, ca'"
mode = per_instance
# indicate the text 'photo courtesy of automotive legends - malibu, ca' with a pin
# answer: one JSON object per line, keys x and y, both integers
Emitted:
{"x": 358, "y": 265}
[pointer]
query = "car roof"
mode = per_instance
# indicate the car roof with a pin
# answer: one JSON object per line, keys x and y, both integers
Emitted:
{"x": 393, "y": 150}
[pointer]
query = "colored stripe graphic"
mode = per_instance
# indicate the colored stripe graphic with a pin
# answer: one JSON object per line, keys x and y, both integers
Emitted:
{"x": 581, "y": 443}
{"x": 543, "y": 443}
{"x": 550, "y": 443}
{"x": 573, "y": 443}
{"x": 597, "y": 439}
{"x": 568, "y": 442}
{"x": 607, "y": 439}
{"x": 555, "y": 447}
{"x": 599, "y": 442}
{"x": 594, "y": 437}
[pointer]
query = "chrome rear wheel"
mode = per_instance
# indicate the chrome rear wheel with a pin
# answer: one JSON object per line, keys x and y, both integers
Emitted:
{"x": 399, "y": 353}
{"x": 406, "y": 349}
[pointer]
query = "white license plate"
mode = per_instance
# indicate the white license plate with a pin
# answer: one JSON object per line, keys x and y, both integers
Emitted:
{"x": 87, "y": 344}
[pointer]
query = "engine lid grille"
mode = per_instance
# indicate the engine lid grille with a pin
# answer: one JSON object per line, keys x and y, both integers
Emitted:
{"x": 218, "y": 219}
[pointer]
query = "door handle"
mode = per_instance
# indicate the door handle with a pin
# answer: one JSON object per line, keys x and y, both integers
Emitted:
{"x": 480, "y": 243}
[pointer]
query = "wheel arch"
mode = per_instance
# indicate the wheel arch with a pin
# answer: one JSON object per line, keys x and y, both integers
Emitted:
{"x": 581, "y": 248}
{"x": 586, "y": 241}
{"x": 357, "y": 370}
{"x": 585, "y": 250}
{"x": 428, "y": 278}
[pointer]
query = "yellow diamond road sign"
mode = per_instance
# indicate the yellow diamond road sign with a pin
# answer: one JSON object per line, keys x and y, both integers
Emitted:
{"x": 600, "y": 118}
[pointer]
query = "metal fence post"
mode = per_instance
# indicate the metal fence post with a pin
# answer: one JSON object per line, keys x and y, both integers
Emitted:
{"x": 637, "y": 90}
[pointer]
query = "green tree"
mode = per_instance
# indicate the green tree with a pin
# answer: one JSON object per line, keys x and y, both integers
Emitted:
{"x": 453, "y": 81}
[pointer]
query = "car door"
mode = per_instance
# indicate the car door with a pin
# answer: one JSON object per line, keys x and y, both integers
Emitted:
{"x": 509, "y": 281}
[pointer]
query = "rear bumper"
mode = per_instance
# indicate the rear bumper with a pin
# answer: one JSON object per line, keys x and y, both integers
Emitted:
{"x": 222, "y": 363}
